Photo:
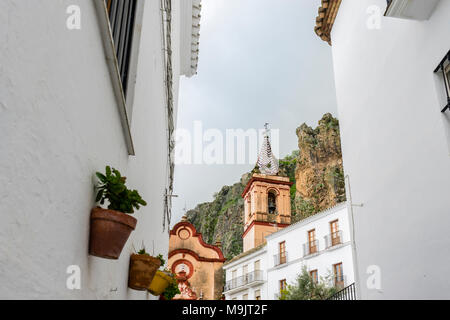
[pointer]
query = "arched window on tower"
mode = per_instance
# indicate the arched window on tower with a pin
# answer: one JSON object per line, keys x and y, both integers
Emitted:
{"x": 272, "y": 202}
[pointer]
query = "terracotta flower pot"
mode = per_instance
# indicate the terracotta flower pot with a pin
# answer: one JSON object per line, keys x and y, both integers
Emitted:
{"x": 109, "y": 232}
{"x": 159, "y": 283}
{"x": 142, "y": 270}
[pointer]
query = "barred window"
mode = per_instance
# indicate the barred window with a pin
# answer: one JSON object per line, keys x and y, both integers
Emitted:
{"x": 121, "y": 18}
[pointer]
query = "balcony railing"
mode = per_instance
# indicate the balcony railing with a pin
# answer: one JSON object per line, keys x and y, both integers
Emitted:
{"x": 272, "y": 218}
{"x": 244, "y": 280}
{"x": 280, "y": 258}
{"x": 348, "y": 293}
{"x": 310, "y": 247}
{"x": 333, "y": 239}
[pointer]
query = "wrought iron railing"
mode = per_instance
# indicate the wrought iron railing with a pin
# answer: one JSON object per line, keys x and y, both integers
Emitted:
{"x": 248, "y": 278}
{"x": 333, "y": 239}
{"x": 347, "y": 293}
{"x": 280, "y": 258}
{"x": 272, "y": 218}
{"x": 310, "y": 247}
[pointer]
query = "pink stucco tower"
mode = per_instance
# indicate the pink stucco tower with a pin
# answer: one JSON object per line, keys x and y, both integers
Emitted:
{"x": 267, "y": 202}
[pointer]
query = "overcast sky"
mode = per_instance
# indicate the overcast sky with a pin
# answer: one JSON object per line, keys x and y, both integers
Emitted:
{"x": 260, "y": 61}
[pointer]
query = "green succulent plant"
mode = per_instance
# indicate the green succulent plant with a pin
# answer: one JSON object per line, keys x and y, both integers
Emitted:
{"x": 142, "y": 251}
{"x": 112, "y": 188}
{"x": 160, "y": 257}
{"x": 172, "y": 289}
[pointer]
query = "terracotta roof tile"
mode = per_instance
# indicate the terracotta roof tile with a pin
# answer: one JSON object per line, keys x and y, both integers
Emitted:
{"x": 325, "y": 19}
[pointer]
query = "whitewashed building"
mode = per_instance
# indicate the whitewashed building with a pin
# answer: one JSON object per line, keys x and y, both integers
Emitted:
{"x": 246, "y": 275}
{"x": 321, "y": 242}
{"x": 391, "y": 65}
{"x": 85, "y": 84}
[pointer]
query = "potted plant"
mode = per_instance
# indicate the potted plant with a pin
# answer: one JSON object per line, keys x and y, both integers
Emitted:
{"x": 142, "y": 270}
{"x": 172, "y": 289}
{"x": 110, "y": 228}
{"x": 164, "y": 283}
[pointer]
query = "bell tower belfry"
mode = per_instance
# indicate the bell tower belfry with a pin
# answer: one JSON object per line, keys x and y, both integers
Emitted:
{"x": 267, "y": 202}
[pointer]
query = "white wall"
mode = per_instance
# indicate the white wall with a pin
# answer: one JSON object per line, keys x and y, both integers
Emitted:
{"x": 395, "y": 144}
{"x": 58, "y": 125}
{"x": 296, "y": 235}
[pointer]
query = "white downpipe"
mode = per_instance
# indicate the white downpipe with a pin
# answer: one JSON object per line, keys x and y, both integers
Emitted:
{"x": 352, "y": 234}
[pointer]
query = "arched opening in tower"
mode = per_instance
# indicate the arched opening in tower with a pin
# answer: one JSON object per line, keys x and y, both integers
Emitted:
{"x": 272, "y": 202}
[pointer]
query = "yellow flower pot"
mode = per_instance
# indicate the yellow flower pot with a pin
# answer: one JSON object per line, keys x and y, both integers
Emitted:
{"x": 159, "y": 283}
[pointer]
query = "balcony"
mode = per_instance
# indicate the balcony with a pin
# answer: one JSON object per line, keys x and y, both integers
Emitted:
{"x": 333, "y": 239}
{"x": 348, "y": 293}
{"x": 280, "y": 259}
{"x": 272, "y": 218}
{"x": 250, "y": 279}
{"x": 310, "y": 248}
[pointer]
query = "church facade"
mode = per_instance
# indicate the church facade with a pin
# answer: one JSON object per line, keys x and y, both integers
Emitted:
{"x": 197, "y": 265}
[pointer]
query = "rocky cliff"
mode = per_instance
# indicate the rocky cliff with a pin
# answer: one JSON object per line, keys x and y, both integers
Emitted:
{"x": 317, "y": 173}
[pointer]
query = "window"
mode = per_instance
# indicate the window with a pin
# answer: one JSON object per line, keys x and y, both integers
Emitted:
{"x": 282, "y": 252}
{"x": 312, "y": 241}
{"x": 335, "y": 235}
{"x": 258, "y": 295}
{"x": 257, "y": 265}
{"x": 447, "y": 79}
{"x": 338, "y": 275}
{"x": 314, "y": 275}
{"x": 121, "y": 18}
{"x": 272, "y": 202}
{"x": 245, "y": 272}
{"x": 233, "y": 278}
{"x": 282, "y": 285}
{"x": 444, "y": 67}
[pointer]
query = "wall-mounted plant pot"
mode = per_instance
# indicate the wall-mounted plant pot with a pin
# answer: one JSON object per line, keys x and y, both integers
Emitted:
{"x": 143, "y": 268}
{"x": 159, "y": 283}
{"x": 109, "y": 232}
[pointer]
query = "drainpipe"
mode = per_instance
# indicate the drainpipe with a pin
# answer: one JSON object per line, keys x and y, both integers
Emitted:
{"x": 352, "y": 233}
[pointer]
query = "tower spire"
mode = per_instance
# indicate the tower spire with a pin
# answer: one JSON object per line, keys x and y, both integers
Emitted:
{"x": 267, "y": 162}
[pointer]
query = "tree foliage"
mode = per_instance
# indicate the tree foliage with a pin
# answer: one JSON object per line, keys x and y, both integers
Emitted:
{"x": 305, "y": 288}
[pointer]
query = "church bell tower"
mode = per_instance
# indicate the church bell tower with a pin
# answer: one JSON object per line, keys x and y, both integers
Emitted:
{"x": 267, "y": 202}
